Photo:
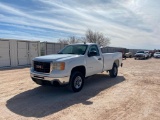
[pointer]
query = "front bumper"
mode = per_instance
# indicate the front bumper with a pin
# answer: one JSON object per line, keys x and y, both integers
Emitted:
{"x": 51, "y": 80}
{"x": 157, "y": 56}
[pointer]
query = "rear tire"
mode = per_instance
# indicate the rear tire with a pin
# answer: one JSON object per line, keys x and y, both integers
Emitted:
{"x": 76, "y": 81}
{"x": 114, "y": 71}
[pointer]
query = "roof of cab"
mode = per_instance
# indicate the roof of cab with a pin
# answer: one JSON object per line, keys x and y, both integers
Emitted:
{"x": 84, "y": 44}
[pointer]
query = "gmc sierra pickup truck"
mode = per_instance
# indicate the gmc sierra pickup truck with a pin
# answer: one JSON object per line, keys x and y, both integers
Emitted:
{"x": 73, "y": 64}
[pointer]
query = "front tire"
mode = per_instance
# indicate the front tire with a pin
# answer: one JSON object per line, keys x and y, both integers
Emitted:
{"x": 76, "y": 81}
{"x": 113, "y": 73}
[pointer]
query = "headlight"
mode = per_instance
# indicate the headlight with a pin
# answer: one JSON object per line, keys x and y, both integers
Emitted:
{"x": 58, "y": 66}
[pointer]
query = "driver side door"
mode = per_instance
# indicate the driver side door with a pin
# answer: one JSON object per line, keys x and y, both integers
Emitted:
{"x": 94, "y": 61}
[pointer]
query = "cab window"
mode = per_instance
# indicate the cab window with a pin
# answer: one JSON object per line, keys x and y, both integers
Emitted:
{"x": 94, "y": 48}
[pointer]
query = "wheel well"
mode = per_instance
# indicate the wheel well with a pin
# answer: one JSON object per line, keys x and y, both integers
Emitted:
{"x": 116, "y": 62}
{"x": 81, "y": 69}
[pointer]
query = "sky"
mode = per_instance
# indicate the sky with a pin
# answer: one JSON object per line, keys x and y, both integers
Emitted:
{"x": 127, "y": 23}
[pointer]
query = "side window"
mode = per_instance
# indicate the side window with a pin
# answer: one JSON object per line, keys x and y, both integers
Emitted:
{"x": 94, "y": 48}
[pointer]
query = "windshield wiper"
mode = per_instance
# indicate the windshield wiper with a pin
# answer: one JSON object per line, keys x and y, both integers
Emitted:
{"x": 67, "y": 53}
{"x": 60, "y": 53}
{"x": 71, "y": 53}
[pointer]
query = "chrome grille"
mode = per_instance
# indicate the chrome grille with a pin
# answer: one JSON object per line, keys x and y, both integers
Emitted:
{"x": 42, "y": 67}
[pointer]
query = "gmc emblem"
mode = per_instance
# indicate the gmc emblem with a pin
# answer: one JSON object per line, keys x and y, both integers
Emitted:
{"x": 39, "y": 66}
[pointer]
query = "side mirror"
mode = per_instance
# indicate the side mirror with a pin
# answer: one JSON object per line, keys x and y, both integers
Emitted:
{"x": 92, "y": 53}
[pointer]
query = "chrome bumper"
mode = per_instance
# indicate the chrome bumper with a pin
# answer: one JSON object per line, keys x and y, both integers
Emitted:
{"x": 61, "y": 81}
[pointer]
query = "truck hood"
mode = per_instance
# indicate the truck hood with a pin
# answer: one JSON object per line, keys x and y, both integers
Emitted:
{"x": 56, "y": 57}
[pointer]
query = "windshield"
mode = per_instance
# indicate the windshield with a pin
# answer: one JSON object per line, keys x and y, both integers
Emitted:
{"x": 140, "y": 52}
{"x": 74, "y": 49}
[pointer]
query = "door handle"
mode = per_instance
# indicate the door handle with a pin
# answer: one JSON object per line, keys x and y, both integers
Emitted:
{"x": 99, "y": 58}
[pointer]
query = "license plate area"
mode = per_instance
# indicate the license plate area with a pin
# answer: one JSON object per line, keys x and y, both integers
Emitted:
{"x": 38, "y": 77}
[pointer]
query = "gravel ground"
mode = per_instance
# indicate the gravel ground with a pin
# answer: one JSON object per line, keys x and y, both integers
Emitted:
{"x": 133, "y": 95}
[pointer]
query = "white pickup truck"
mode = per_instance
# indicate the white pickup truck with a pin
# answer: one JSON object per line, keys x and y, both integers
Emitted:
{"x": 73, "y": 64}
{"x": 141, "y": 55}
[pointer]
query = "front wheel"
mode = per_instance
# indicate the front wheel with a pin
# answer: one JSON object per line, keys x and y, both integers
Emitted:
{"x": 76, "y": 81}
{"x": 114, "y": 71}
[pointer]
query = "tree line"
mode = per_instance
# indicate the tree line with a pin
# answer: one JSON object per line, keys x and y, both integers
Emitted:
{"x": 90, "y": 37}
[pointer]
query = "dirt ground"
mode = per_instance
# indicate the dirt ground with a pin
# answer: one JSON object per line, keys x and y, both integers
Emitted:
{"x": 133, "y": 95}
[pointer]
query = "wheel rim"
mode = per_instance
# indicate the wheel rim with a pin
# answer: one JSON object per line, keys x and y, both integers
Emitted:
{"x": 115, "y": 70}
{"x": 77, "y": 82}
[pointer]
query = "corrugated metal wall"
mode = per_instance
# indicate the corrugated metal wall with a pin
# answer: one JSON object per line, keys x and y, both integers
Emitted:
{"x": 113, "y": 49}
{"x": 135, "y": 50}
{"x": 119, "y": 49}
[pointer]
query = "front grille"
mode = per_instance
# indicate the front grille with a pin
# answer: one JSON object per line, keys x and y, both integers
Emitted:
{"x": 42, "y": 66}
{"x": 139, "y": 55}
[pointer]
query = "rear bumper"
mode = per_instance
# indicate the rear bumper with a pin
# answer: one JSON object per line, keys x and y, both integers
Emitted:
{"x": 41, "y": 78}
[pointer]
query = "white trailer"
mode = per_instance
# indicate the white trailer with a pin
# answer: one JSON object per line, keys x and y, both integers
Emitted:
{"x": 48, "y": 48}
{"x": 18, "y": 52}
